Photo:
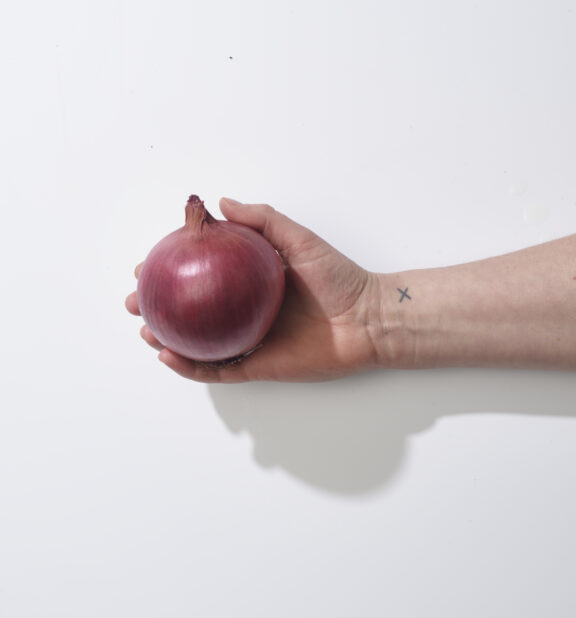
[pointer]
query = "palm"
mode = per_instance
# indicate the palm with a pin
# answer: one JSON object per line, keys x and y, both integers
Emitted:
{"x": 315, "y": 323}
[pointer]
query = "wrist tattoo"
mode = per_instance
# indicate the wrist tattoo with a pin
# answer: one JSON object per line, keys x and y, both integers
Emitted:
{"x": 404, "y": 294}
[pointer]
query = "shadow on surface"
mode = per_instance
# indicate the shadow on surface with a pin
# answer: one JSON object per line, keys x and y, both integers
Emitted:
{"x": 349, "y": 436}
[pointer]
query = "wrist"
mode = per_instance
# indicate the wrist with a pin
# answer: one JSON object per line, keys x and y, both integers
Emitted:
{"x": 390, "y": 328}
{"x": 406, "y": 326}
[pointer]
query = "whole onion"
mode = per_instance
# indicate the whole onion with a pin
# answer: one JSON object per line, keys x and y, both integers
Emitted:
{"x": 211, "y": 290}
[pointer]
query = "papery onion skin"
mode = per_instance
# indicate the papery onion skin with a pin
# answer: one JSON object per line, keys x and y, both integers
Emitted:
{"x": 211, "y": 290}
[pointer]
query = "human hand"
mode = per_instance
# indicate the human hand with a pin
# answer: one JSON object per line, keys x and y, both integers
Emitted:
{"x": 328, "y": 323}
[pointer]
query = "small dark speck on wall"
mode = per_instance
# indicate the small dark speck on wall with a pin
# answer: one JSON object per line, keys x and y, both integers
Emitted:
{"x": 231, "y": 57}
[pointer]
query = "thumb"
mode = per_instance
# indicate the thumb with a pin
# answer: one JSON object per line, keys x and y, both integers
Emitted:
{"x": 280, "y": 230}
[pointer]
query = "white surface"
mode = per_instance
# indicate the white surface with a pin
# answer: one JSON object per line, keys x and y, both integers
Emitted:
{"x": 408, "y": 134}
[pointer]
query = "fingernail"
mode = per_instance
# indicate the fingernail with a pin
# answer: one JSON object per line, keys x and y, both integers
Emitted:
{"x": 232, "y": 202}
{"x": 164, "y": 355}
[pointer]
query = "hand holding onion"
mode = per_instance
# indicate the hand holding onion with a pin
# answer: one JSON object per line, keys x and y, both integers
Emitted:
{"x": 513, "y": 310}
{"x": 322, "y": 330}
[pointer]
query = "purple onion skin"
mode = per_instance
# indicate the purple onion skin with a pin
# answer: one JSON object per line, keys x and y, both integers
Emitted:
{"x": 211, "y": 290}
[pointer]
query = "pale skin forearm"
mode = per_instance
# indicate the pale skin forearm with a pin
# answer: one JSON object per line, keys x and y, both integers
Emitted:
{"x": 515, "y": 310}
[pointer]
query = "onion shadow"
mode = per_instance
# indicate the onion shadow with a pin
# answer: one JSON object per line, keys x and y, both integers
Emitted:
{"x": 349, "y": 437}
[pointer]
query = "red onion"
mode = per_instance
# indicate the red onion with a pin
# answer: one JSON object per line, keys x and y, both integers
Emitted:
{"x": 211, "y": 290}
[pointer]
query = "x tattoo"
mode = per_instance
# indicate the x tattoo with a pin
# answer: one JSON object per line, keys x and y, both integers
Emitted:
{"x": 404, "y": 294}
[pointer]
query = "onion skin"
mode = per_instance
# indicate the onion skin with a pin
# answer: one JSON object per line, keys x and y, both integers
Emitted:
{"x": 211, "y": 290}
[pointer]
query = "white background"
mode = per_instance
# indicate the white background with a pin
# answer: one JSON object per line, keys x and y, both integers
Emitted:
{"x": 408, "y": 134}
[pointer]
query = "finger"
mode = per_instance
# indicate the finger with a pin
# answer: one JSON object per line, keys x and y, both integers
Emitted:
{"x": 283, "y": 233}
{"x": 242, "y": 371}
{"x": 196, "y": 371}
{"x": 131, "y": 303}
{"x": 138, "y": 269}
{"x": 264, "y": 364}
{"x": 149, "y": 338}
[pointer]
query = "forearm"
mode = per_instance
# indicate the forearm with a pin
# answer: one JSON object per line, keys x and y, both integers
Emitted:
{"x": 514, "y": 310}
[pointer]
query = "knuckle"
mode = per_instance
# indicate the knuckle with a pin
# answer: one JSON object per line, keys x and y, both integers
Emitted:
{"x": 268, "y": 210}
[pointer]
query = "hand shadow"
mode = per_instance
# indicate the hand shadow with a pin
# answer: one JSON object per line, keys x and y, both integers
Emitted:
{"x": 349, "y": 436}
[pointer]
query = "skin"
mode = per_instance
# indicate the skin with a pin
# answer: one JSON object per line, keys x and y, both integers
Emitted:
{"x": 516, "y": 310}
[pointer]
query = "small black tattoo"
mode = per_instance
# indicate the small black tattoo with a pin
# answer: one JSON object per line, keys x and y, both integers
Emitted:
{"x": 404, "y": 294}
